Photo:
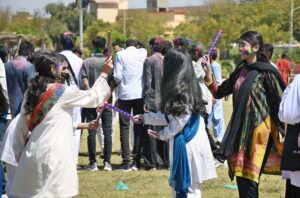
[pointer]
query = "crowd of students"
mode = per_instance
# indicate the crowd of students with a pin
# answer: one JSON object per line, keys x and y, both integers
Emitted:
{"x": 175, "y": 89}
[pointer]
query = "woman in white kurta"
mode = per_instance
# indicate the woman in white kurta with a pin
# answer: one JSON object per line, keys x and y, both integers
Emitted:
{"x": 191, "y": 159}
{"x": 290, "y": 114}
{"x": 47, "y": 167}
{"x": 199, "y": 153}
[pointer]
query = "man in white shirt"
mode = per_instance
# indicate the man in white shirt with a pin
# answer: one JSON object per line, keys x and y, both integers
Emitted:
{"x": 128, "y": 72}
{"x": 75, "y": 64}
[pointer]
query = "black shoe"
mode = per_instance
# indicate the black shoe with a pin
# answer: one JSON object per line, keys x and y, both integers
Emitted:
{"x": 124, "y": 168}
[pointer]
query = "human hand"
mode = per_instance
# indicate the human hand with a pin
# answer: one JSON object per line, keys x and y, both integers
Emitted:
{"x": 107, "y": 66}
{"x": 145, "y": 108}
{"x": 205, "y": 62}
{"x": 153, "y": 134}
{"x": 137, "y": 119}
{"x": 93, "y": 124}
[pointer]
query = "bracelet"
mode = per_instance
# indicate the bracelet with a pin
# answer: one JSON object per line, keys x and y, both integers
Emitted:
{"x": 104, "y": 75}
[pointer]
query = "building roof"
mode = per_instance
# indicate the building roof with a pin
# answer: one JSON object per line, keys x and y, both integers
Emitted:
{"x": 106, "y": 1}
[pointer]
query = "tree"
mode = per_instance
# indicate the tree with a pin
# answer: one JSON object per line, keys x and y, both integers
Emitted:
{"x": 65, "y": 18}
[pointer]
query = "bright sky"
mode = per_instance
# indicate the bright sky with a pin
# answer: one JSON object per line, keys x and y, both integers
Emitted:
{"x": 32, "y": 5}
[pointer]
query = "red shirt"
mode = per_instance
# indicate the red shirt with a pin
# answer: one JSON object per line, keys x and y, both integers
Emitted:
{"x": 283, "y": 66}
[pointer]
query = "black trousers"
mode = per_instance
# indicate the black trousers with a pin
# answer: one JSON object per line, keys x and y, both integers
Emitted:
{"x": 212, "y": 142}
{"x": 137, "y": 106}
{"x": 155, "y": 152}
{"x": 248, "y": 188}
{"x": 106, "y": 119}
{"x": 291, "y": 191}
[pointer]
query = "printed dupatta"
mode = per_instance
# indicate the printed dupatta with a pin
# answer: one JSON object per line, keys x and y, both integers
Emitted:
{"x": 46, "y": 102}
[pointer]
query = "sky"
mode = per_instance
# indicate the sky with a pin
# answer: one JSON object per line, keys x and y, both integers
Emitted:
{"x": 32, "y": 5}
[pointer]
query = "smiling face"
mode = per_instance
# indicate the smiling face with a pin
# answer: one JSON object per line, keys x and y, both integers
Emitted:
{"x": 247, "y": 51}
{"x": 63, "y": 70}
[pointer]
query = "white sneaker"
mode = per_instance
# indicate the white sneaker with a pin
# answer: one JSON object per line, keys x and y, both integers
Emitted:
{"x": 107, "y": 166}
{"x": 91, "y": 167}
{"x": 134, "y": 167}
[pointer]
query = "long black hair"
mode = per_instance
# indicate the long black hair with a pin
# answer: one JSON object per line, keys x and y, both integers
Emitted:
{"x": 255, "y": 38}
{"x": 45, "y": 66}
{"x": 180, "y": 89}
{"x": 3, "y": 102}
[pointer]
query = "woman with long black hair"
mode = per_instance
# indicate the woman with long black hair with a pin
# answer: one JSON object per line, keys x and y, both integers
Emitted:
{"x": 251, "y": 142}
{"x": 182, "y": 110}
{"x": 46, "y": 165}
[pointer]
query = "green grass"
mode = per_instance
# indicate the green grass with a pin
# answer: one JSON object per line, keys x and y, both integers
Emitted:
{"x": 155, "y": 183}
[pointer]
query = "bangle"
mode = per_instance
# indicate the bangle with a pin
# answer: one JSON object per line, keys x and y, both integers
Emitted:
{"x": 104, "y": 75}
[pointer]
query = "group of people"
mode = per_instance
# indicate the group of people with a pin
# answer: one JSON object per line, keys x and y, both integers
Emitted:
{"x": 176, "y": 91}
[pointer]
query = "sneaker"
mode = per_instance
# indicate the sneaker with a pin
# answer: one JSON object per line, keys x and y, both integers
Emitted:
{"x": 124, "y": 167}
{"x": 134, "y": 167}
{"x": 107, "y": 166}
{"x": 91, "y": 167}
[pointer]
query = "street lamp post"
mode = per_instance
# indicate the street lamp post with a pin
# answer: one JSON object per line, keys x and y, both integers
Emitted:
{"x": 292, "y": 21}
{"x": 81, "y": 24}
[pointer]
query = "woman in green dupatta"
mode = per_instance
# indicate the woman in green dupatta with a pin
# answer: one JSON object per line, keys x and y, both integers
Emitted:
{"x": 251, "y": 142}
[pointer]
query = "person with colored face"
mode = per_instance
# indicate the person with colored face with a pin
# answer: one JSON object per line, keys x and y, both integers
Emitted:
{"x": 251, "y": 142}
{"x": 45, "y": 128}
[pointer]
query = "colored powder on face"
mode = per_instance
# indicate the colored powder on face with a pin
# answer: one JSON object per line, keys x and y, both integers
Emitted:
{"x": 248, "y": 52}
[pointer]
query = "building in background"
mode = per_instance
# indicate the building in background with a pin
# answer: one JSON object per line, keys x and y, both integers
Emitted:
{"x": 107, "y": 10}
{"x": 157, "y": 5}
{"x": 112, "y": 10}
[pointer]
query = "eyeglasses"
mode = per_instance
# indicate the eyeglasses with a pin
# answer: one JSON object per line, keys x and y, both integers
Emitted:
{"x": 243, "y": 44}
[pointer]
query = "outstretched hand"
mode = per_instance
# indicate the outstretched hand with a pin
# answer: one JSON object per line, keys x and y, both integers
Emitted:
{"x": 205, "y": 62}
{"x": 93, "y": 124}
{"x": 153, "y": 134}
{"x": 137, "y": 118}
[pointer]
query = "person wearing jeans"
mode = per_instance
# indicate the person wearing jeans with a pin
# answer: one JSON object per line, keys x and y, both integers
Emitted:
{"x": 91, "y": 68}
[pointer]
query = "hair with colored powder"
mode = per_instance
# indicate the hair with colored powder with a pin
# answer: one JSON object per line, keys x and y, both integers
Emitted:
{"x": 196, "y": 51}
{"x": 157, "y": 44}
{"x": 68, "y": 40}
{"x": 181, "y": 43}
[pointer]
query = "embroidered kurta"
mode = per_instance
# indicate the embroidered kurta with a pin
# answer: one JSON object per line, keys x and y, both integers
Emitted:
{"x": 47, "y": 167}
{"x": 258, "y": 124}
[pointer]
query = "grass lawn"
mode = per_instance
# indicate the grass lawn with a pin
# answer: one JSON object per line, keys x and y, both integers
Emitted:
{"x": 155, "y": 183}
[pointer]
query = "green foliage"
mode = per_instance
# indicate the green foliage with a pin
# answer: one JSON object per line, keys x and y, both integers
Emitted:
{"x": 269, "y": 17}
{"x": 142, "y": 26}
{"x": 100, "y": 28}
{"x": 68, "y": 15}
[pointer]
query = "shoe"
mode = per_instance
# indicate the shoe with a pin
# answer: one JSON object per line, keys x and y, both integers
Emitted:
{"x": 107, "y": 166}
{"x": 124, "y": 167}
{"x": 151, "y": 169}
{"x": 134, "y": 167}
{"x": 91, "y": 167}
{"x": 79, "y": 167}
